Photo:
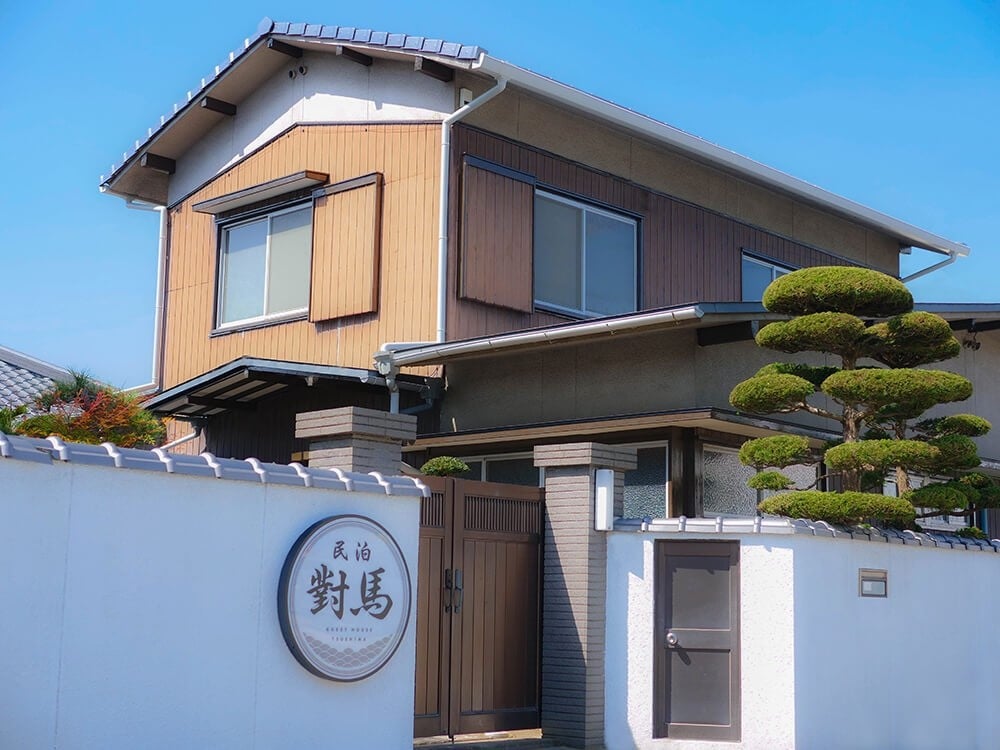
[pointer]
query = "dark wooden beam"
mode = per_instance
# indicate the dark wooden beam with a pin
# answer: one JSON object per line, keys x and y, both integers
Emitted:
{"x": 285, "y": 49}
{"x": 433, "y": 69}
{"x": 727, "y": 334}
{"x": 986, "y": 325}
{"x": 220, "y": 403}
{"x": 158, "y": 163}
{"x": 217, "y": 105}
{"x": 353, "y": 55}
{"x": 965, "y": 324}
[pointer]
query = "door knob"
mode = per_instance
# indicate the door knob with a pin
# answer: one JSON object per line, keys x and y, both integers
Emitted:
{"x": 671, "y": 639}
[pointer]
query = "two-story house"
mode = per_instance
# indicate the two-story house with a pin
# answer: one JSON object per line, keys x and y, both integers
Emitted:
{"x": 351, "y": 217}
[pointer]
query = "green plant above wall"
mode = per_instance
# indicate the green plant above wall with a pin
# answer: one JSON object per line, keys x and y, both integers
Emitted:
{"x": 865, "y": 320}
{"x": 444, "y": 466}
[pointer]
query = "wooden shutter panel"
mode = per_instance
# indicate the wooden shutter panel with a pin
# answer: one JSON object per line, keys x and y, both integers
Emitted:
{"x": 496, "y": 235}
{"x": 347, "y": 228}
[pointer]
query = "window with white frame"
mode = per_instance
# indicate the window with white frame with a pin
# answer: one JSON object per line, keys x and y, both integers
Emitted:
{"x": 585, "y": 258}
{"x": 264, "y": 267}
{"x": 757, "y": 274}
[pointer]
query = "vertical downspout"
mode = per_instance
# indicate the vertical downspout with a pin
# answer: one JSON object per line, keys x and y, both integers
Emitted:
{"x": 446, "y": 124}
{"x": 161, "y": 273}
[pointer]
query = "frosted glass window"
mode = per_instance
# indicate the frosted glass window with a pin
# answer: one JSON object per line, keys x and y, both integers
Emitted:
{"x": 646, "y": 486}
{"x": 584, "y": 258}
{"x": 265, "y": 266}
{"x": 725, "y": 485}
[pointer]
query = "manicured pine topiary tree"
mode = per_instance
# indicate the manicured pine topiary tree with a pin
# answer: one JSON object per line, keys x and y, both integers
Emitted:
{"x": 874, "y": 406}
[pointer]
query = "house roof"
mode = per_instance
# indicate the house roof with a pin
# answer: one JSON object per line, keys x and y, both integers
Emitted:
{"x": 245, "y": 68}
{"x": 244, "y": 381}
{"x": 23, "y": 378}
{"x": 718, "y": 322}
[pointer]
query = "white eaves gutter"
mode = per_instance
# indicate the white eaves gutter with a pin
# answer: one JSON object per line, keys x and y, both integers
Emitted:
{"x": 392, "y": 356}
{"x": 716, "y": 155}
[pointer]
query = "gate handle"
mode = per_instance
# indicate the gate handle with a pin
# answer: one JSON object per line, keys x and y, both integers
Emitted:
{"x": 447, "y": 589}
{"x": 671, "y": 639}
{"x": 460, "y": 592}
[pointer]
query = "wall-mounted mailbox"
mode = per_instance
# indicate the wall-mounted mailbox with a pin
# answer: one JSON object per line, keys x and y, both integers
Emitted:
{"x": 873, "y": 583}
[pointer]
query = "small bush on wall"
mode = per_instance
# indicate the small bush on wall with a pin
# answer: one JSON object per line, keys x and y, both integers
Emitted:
{"x": 444, "y": 466}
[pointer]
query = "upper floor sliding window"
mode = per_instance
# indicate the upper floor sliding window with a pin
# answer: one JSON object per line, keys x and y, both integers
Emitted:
{"x": 585, "y": 258}
{"x": 264, "y": 267}
{"x": 757, "y": 275}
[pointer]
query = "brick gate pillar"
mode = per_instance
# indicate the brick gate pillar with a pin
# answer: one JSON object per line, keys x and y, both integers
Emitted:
{"x": 574, "y": 589}
{"x": 355, "y": 439}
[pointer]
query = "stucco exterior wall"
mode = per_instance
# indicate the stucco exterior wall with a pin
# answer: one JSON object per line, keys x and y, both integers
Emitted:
{"x": 523, "y": 117}
{"x": 821, "y": 666}
{"x": 334, "y": 90}
{"x": 141, "y": 612}
{"x": 616, "y": 375}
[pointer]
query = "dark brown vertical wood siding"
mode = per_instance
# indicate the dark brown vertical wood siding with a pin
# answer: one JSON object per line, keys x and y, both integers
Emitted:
{"x": 496, "y": 238}
{"x": 345, "y": 257}
{"x": 688, "y": 254}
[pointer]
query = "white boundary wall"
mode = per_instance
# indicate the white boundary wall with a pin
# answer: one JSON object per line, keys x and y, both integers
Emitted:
{"x": 140, "y": 612}
{"x": 821, "y": 666}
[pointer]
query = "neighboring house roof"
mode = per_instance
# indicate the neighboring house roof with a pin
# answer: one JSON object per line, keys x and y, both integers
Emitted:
{"x": 23, "y": 378}
{"x": 244, "y": 69}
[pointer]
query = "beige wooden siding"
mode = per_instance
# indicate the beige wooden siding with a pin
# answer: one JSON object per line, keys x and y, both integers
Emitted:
{"x": 407, "y": 155}
{"x": 496, "y": 237}
{"x": 347, "y": 230}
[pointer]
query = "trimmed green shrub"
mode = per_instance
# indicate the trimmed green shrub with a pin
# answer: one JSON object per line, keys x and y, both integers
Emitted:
{"x": 957, "y": 424}
{"x": 971, "y": 532}
{"x": 858, "y": 291}
{"x": 444, "y": 466}
{"x": 916, "y": 338}
{"x": 942, "y": 497}
{"x": 815, "y": 375}
{"x": 769, "y": 480}
{"x": 831, "y": 332}
{"x": 779, "y": 451}
{"x": 771, "y": 393}
{"x": 839, "y": 507}
{"x": 881, "y": 455}
{"x": 905, "y": 393}
{"x": 954, "y": 452}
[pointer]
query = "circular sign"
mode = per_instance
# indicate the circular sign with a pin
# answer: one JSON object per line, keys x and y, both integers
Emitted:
{"x": 344, "y": 598}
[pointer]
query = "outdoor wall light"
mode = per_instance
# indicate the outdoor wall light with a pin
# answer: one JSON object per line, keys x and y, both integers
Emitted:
{"x": 873, "y": 583}
{"x": 604, "y": 500}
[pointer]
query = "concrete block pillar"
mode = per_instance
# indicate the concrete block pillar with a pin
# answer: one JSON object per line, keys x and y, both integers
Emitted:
{"x": 575, "y": 589}
{"x": 355, "y": 439}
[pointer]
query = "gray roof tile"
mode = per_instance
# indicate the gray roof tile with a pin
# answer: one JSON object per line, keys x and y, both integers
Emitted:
{"x": 349, "y": 34}
{"x": 52, "y": 449}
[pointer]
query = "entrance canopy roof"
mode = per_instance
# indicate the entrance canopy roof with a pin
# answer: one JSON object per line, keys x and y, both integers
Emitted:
{"x": 241, "y": 383}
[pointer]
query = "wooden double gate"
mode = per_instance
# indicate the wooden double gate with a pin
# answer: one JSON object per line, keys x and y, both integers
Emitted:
{"x": 478, "y": 607}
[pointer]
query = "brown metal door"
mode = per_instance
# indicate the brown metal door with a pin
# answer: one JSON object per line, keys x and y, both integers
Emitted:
{"x": 478, "y": 624}
{"x": 697, "y": 673}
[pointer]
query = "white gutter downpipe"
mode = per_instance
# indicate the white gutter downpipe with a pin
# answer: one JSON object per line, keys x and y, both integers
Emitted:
{"x": 392, "y": 356}
{"x": 952, "y": 257}
{"x": 161, "y": 273}
{"x": 458, "y": 114}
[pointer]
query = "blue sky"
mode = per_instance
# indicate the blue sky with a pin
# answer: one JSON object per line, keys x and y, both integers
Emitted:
{"x": 892, "y": 104}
